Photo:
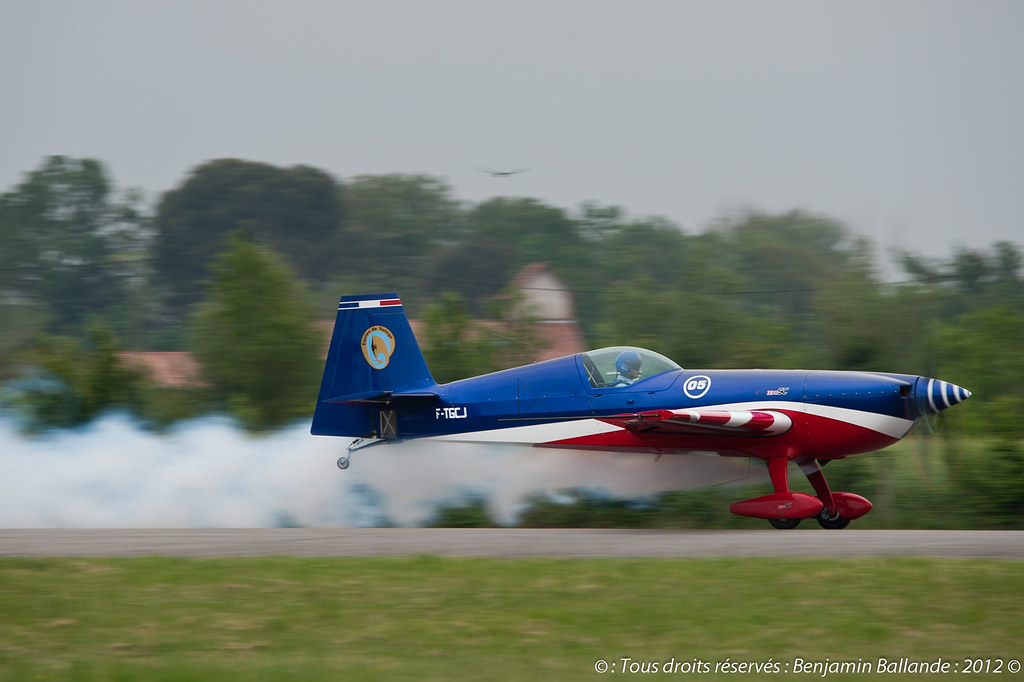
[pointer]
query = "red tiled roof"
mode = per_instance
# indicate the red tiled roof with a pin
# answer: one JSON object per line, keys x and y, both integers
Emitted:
{"x": 564, "y": 338}
{"x": 527, "y": 274}
{"x": 176, "y": 369}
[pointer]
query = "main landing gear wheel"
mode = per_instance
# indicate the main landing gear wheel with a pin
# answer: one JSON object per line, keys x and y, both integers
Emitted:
{"x": 343, "y": 462}
{"x": 832, "y": 521}
{"x": 784, "y": 524}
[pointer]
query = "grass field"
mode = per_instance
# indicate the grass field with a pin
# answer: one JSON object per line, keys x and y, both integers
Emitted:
{"x": 430, "y": 618}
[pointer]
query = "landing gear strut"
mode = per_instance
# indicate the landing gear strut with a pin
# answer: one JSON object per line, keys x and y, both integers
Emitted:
{"x": 838, "y": 509}
{"x": 785, "y": 509}
{"x": 359, "y": 443}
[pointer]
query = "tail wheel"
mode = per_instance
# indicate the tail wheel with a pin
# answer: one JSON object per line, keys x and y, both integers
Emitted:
{"x": 784, "y": 524}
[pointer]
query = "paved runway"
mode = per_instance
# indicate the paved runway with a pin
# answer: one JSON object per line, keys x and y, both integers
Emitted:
{"x": 509, "y": 543}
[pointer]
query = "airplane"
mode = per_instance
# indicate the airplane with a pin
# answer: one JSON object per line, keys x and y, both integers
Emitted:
{"x": 500, "y": 173}
{"x": 377, "y": 389}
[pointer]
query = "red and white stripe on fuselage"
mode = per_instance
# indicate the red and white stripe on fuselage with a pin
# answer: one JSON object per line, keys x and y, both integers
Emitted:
{"x": 736, "y": 422}
{"x": 820, "y": 431}
{"x": 374, "y": 303}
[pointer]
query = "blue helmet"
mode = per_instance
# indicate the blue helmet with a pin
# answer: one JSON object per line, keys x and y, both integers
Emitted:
{"x": 628, "y": 362}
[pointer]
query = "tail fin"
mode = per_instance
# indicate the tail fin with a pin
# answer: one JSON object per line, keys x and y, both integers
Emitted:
{"x": 373, "y": 357}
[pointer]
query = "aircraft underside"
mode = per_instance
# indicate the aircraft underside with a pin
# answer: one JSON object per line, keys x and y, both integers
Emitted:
{"x": 817, "y": 440}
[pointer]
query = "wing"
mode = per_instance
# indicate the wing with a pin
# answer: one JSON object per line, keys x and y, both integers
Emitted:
{"x": 706, "y": 421}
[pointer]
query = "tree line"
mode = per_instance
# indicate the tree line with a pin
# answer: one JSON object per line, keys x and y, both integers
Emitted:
{"x": 239, "y": 244}
{"x": 238, "y": 262}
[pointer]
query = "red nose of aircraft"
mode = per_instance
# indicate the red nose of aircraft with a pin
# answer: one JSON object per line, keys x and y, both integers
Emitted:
{"x": 934, "y": 395}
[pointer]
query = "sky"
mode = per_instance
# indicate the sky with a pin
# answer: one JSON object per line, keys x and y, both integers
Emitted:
{"x": 900, "y": 118}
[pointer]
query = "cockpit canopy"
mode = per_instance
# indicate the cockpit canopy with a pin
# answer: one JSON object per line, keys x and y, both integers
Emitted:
{"x": 601, "y": 371}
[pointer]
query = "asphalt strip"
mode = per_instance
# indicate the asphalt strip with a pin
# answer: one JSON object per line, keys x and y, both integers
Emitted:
{"x": 508, "y": 543}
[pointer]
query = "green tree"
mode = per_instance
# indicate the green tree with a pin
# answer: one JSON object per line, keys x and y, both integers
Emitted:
{"x": 254, "y": 339}
{"x": 531, "y": 230}
{"x": 853, "y": 315}
{"x": 994, "y": 490}
{"x": 654, "y": 248}
{"x": 689, "y": 320}
{"x": 615, "y": 251}
{"x": 969, "y": 280}
{"x": 468, "y": 513}
{"x": 783, "y": 260}
{"x": 395, "y": 223}
{"x": 477, "y": 268}
{"x": 295, "y": 211}
{"x": 71, "y": 250}
{"x": 980, "y": 350}
{"x": 452, "y": 342}
{"x": 69, "y": 382}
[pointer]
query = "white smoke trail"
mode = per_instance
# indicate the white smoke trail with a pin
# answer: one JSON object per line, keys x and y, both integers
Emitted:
{"x": 208, "y": 473}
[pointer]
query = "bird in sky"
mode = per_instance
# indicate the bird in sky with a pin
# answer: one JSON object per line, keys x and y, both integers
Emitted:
{"x": 499, "y": 173}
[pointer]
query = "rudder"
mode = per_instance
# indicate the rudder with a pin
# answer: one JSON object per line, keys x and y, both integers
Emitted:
{"x": 373, "y": 353}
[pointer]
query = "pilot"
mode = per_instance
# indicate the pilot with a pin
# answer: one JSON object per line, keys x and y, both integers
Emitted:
{"x": 627, "y": 364}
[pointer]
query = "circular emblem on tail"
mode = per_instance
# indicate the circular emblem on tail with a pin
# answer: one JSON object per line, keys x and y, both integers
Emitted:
{"x": 378, "y": 344}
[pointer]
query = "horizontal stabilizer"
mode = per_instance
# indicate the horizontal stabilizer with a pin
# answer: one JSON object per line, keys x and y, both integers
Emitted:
{"x": 386, "y": 397}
